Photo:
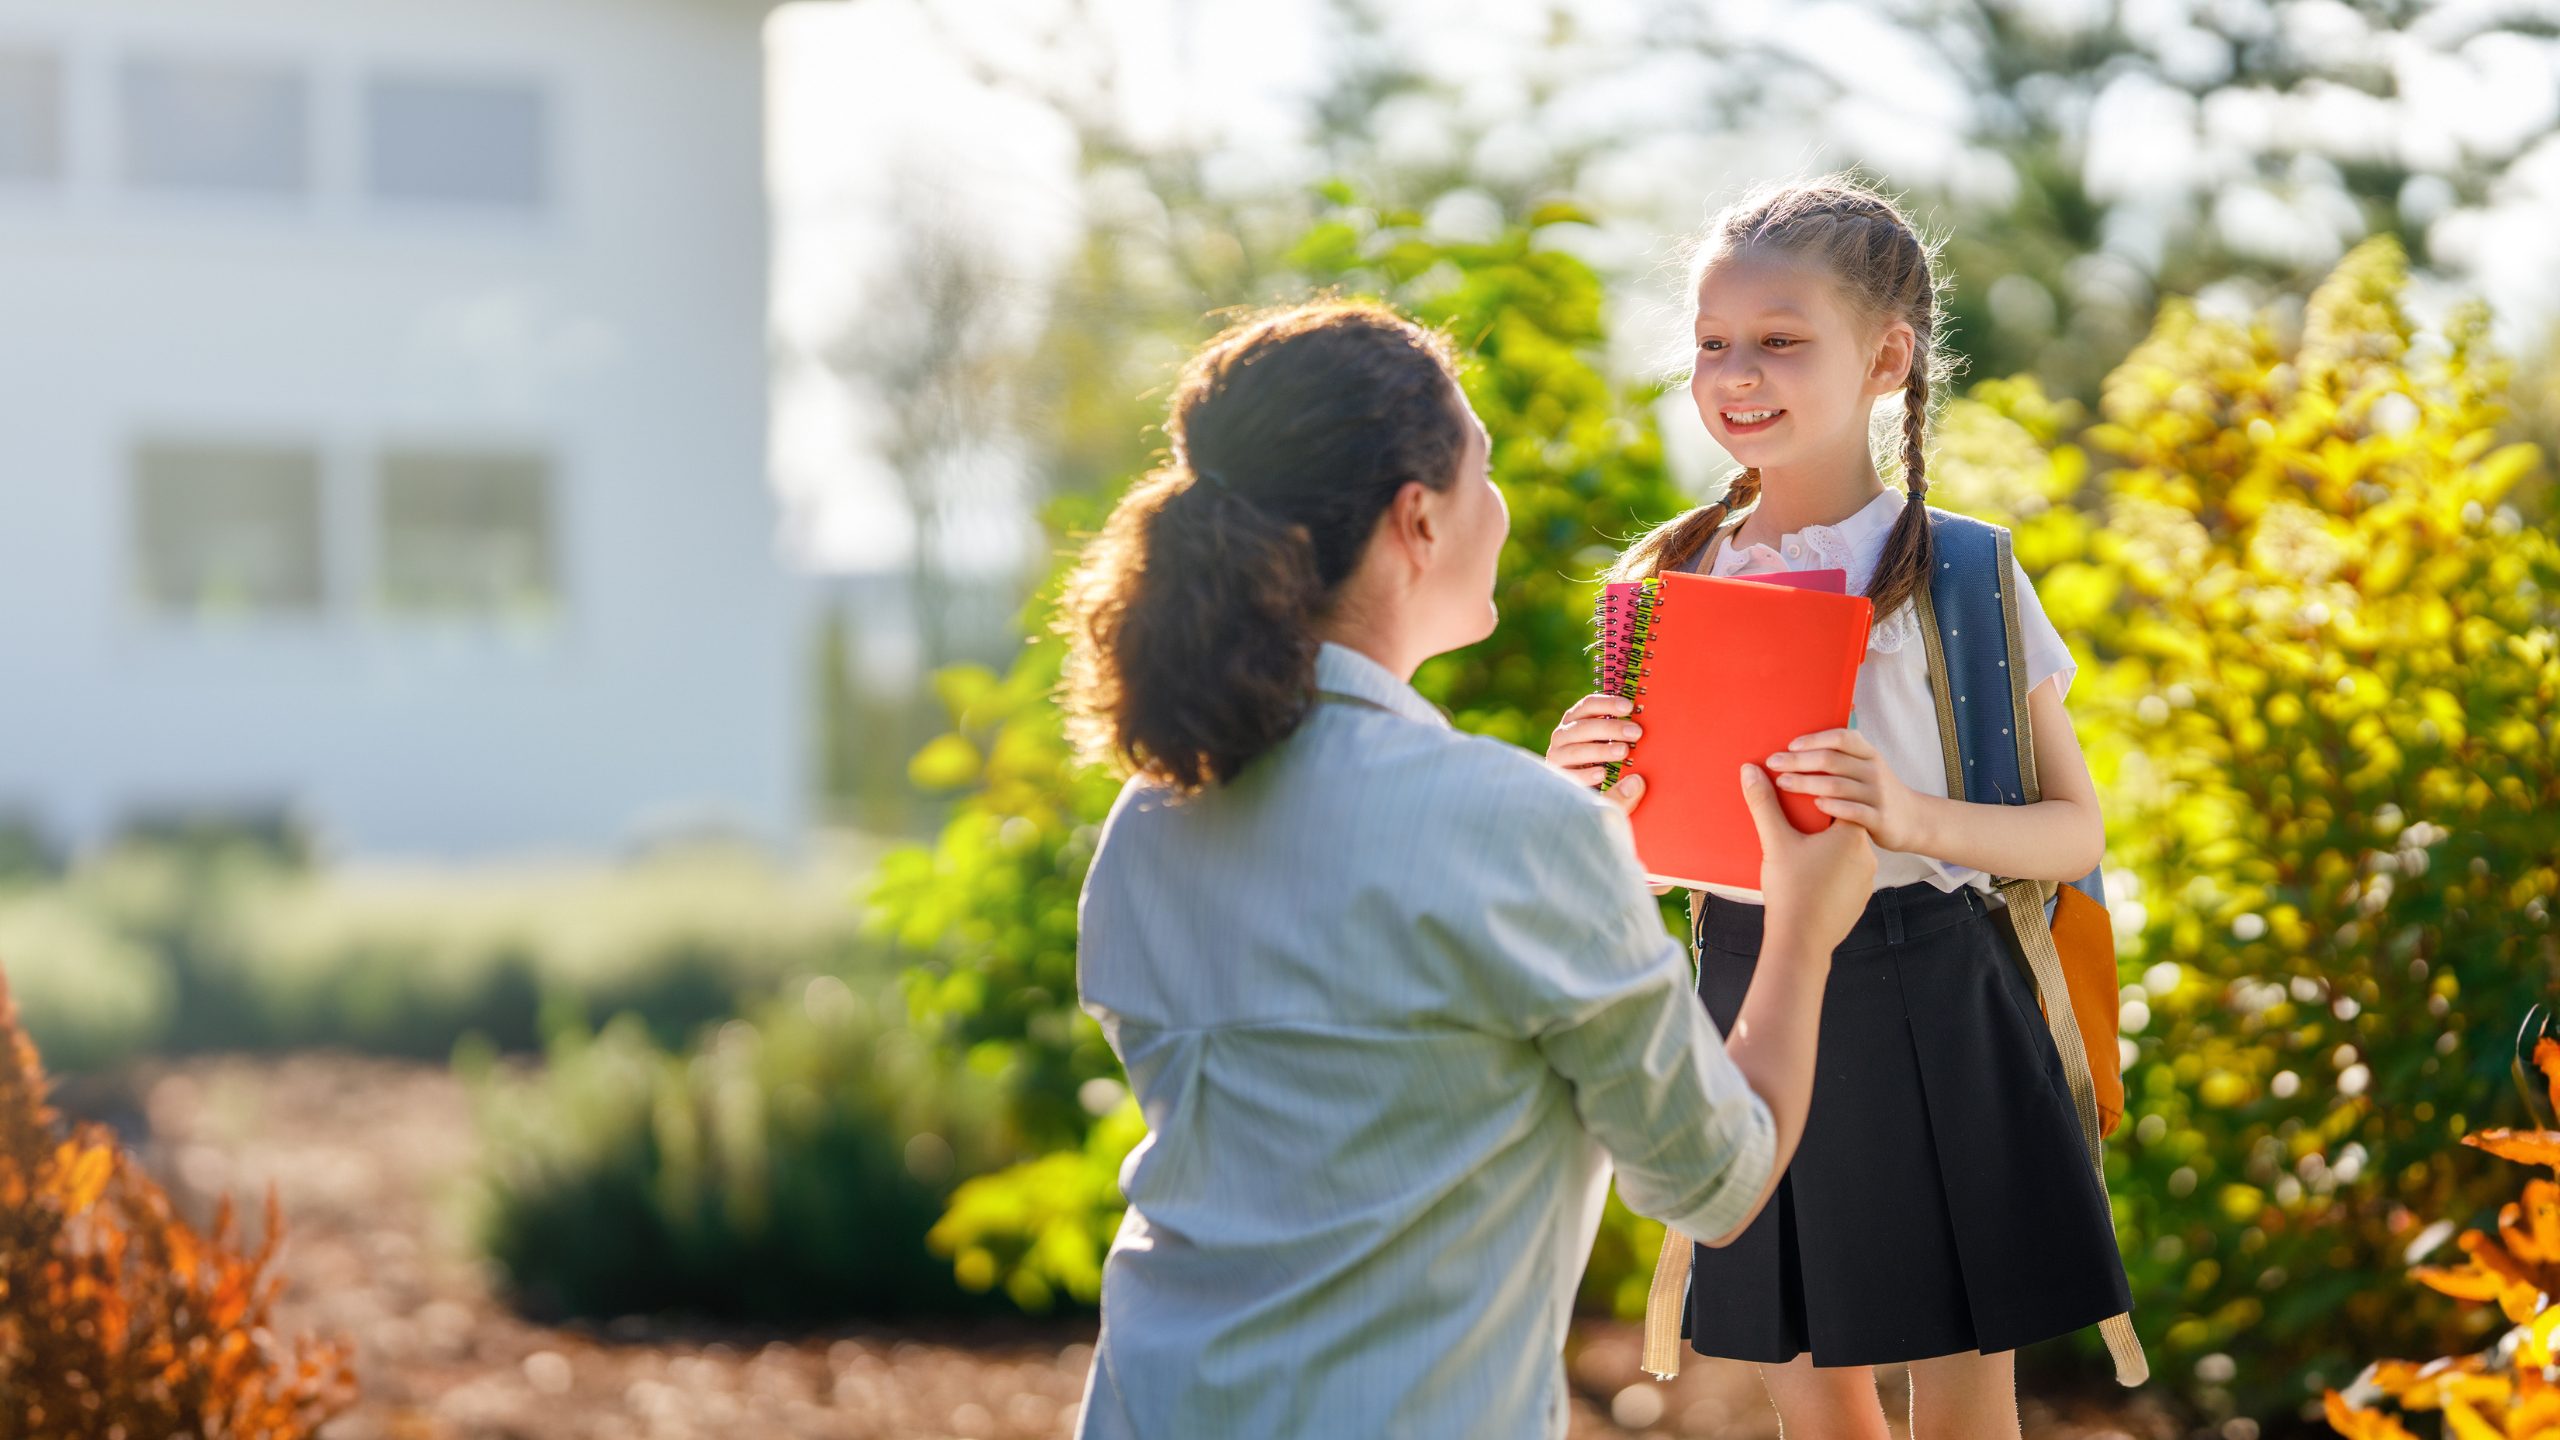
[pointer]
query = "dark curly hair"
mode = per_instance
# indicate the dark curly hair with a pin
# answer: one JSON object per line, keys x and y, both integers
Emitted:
{"x": 1191, "y": 619}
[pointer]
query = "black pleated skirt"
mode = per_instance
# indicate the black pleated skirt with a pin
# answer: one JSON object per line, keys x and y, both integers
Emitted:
{"x": 1940, "y": 1200}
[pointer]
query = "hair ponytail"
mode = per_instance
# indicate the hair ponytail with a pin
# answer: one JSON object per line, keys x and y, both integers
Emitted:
{"x": 1191, "y": 620}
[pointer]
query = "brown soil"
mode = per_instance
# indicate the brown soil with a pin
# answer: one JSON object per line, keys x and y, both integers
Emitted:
{"x": 368, "y": 1157}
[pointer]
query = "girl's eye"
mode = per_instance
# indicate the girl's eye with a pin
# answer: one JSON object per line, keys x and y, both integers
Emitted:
{"x": 1710, "y": 344}
{"x": 1780, "y": 340}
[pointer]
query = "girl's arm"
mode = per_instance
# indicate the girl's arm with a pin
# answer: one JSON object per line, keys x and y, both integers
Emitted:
{"x": 2060, "y": 837}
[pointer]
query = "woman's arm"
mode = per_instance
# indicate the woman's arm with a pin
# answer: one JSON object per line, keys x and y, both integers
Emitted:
{"x": 1701, "y": 1126}
{"x": 2060, "y": 837}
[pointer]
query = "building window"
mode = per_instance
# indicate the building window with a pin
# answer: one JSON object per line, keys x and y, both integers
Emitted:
{"x": 466, "y": 534}
{"x": 30, "y": 116}
{"x": 457, "y": 142}
{"x": 240, "y": 128}
{"x": 227, "y": 530}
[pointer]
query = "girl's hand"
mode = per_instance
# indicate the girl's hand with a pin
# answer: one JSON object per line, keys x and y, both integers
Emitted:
{"x": 1849, "y": 781}
{"x": 1591, "y": 734}
{"x": 1595, "y": 731}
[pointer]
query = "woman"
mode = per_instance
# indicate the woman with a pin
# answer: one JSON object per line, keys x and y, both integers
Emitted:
{"x": 1390, "y": 996}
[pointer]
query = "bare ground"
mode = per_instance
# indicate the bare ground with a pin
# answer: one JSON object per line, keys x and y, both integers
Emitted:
{"x": 366, "y": 1155}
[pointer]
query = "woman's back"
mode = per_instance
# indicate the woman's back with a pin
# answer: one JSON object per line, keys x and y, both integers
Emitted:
{"x": 1351, "y": 988}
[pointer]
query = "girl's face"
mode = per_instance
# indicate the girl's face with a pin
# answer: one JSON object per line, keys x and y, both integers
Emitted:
{"x": 1784, "y": 372}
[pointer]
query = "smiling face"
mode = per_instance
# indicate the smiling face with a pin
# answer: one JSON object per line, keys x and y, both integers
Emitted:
{"x": 1784, "y": 372}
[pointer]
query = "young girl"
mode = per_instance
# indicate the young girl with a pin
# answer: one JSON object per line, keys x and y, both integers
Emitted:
{"x": 1940, "y": 1209}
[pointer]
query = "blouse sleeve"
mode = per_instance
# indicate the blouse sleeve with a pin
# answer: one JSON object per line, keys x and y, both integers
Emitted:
{"x": 2047, "y": 655}
{"x": 1564, "y": 948}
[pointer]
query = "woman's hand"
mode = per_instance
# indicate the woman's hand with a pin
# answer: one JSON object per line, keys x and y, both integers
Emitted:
{"x": 1815, "y": 886}
{"x": 1591, "y": 734}
{"x": 1849, "y": 781}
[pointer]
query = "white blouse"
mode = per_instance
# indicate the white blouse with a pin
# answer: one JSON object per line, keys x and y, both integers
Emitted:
{"x": 1893, "y": 707}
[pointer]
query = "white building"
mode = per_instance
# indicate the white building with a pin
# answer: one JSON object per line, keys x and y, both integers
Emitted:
{"x": 383, "y": 422}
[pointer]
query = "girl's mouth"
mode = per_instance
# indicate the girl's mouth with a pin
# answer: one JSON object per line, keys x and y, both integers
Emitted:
{"x": 1750, "y": 422}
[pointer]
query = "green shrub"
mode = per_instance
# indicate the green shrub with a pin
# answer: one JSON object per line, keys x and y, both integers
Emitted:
{"x": 403, "y": 962}
{"x": 203, "y": 947}
{"x": 87, "y": 995}
{"x": 27, "y": 853}
{"x": 1042, "y": 1227}
{"x": 787, "y": 1169}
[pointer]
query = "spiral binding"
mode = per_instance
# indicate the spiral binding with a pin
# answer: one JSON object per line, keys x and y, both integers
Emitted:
{"x": 1619, "y": 666}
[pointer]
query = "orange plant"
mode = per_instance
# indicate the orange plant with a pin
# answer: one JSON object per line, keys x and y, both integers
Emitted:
{"x": 2501, "y": 1393}
{"x": 118, "y": 1321}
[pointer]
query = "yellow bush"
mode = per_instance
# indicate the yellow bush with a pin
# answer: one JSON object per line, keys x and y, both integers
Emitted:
{"x": 2318, "y": 650}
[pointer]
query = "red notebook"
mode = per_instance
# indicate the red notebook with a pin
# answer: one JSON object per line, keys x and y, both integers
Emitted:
{"x": 1724, "y": 670}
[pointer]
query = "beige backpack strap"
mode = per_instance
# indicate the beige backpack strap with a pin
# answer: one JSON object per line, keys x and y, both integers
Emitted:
{"x": 2026, "y": 900}
{"x": 1663, "y": 1303}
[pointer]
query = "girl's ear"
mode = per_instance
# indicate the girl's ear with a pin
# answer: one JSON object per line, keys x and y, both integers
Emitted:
{"x": 1891, "y": 369}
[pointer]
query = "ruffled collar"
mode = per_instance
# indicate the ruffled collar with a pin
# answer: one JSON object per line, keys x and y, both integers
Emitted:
{"x": 1855, "y": 545}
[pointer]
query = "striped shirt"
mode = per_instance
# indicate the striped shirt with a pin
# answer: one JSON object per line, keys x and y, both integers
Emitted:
{"x": 1392, "y": 1001}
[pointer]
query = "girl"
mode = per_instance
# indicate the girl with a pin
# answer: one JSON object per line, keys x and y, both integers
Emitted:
{"x": 1940, "y": 1209}
{"x": 1386, "y": 992}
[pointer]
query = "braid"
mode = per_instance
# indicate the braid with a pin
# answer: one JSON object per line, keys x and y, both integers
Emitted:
{"x": 1675, "y": 542}
{"x": 1904, "y": 566}
{"x": 1915, "y": 427}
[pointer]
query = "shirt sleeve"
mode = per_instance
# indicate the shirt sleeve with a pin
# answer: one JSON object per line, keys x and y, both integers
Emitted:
{"x": 2047, "y": 655}
{"x": 1590, "y": 976}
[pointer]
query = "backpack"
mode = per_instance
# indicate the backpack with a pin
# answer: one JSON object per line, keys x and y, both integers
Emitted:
{"x": 2059, "y": 935}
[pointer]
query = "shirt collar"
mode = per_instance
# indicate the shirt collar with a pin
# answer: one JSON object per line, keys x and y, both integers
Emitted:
{"x": 1854, "y": 545}
{"x": 1345, "y": 672}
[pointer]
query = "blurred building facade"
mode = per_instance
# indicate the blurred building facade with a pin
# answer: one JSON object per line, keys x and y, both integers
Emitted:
{"x": 386, "y": 436}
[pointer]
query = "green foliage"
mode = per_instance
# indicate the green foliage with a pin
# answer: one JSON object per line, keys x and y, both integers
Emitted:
{"x": 1043, "y": 1226}
{"x": 987, "y": 913}
{"x": 2321, "y": 723}
{"x": 160, "y": 948}
{"x": 91, "y": 995}
{"x": 787, "y": 1169}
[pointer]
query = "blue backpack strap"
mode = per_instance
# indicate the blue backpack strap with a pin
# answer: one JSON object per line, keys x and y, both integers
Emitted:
{"x": 1969, "y": 621}
{"x": 1976, "y": 632}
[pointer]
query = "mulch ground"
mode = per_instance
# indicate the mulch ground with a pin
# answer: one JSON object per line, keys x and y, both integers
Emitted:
{"x": 367, "y": 1156}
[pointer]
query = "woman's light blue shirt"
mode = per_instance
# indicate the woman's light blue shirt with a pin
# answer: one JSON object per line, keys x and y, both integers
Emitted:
{"x": 1392, "y": 1001}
